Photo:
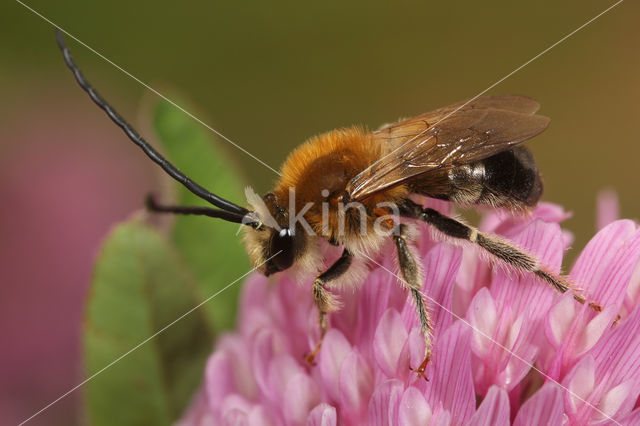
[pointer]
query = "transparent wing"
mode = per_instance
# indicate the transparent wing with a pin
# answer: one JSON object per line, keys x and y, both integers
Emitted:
{"x": 449, "y": 137}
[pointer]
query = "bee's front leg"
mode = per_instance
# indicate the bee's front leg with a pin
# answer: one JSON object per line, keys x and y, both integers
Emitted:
{"x": 324, "y": 300}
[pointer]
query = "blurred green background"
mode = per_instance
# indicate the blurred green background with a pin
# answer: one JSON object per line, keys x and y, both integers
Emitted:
{"x": 267, "y": 75}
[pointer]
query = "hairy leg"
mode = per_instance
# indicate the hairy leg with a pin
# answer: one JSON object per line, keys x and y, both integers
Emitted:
{"x": 502, "y": 249}
{"x": 324, "y": 300}
{"x": 412, "y": 279}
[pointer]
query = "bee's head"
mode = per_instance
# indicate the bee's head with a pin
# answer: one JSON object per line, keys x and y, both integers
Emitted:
{"x": 274, "y": 246}
{"x": 274, "y": 250}
{"x": 281, "y": 250}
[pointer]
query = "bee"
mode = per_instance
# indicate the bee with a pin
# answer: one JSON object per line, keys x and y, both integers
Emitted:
{"x": 356, "y": 189}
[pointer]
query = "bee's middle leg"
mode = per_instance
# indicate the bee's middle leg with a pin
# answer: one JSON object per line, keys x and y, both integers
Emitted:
{"x": 412, "y": 279}
{"x": 324, "y": 300}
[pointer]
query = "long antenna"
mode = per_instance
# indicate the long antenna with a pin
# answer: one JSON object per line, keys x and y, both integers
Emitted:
{"x": 138, "y": 140}
{"x": 152, "y": 205}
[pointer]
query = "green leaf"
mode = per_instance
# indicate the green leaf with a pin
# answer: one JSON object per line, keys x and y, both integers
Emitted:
{"x": 211, "y": 247}
{"x": 139, "y": 287}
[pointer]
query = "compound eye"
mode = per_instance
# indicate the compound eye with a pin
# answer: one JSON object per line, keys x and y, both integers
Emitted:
{"x": 282, "y": 243}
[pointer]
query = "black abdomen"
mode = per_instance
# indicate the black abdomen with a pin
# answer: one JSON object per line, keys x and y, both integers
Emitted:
{"x": 512, "y": 174}
{"x": 509, "y": 179}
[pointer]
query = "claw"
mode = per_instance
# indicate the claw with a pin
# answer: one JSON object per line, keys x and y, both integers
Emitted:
{"x": 421, "y": 369}
{"x": 310, "y": 358}
{"x": 616, "y": 321}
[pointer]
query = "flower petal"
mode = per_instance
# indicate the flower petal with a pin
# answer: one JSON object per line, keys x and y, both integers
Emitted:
{"x": 235, "y": 410}
{"x": 218, "y": 379}
{"x": 385, "y": 403}
{"x": 441, "y": 418}
{"x": 254, "y": 293}
{"x": 388, "y": 342}
{"x": 323, "y": 415}
{"x": 600, "y": 268}
{"x": 633, "y": 292}
{"x": 611, "y": 402}
{"x": 483, "y": 317}
{"x": 501, "y": 222}
{"x": 607, "y": 208}
{"x": 263, "y": 353}
{"x": 559, "y": 320}
{"x": 239, "y": 354}
{"x": 374, "y": 299}
{"x": 282, "y": 369}
{"x": 235, "y": 417}
{"x": 494, "y": 409}
{"x": 551, "y": 213}
{"x": 413, "y": 409}
{"x": 242, "y": 413}
{"x": 617, "y": 361}
{"x": 580, "y": 383}
{"x": 545, "y": 407}
{"x": 595, "y": 329}
{"x": 474, "y": 274}
{"x": 334, "y": 350}
{"x": 632, "y": 419}
{"x": 452, "y": 384}
{"x": 301, "y": 394}
{"x": 520, "y": 352}
{"x": 604, "y": 269}
{"x": 356, "y": 384}
{"x": 258, "y": 417}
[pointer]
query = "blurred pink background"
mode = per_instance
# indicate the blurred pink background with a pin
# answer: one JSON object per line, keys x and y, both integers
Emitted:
{"x": 63, "y": 183}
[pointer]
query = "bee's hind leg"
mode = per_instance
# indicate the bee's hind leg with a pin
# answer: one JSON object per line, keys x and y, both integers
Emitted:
{"x": 411, "y": 275}
{"x": 324, "y": 300}
{"x": 500, "y": 248}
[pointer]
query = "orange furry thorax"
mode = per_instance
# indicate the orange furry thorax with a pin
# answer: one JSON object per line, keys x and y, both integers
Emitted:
{"x": 320, "y": 169}
{"x": 327, "y": 162}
